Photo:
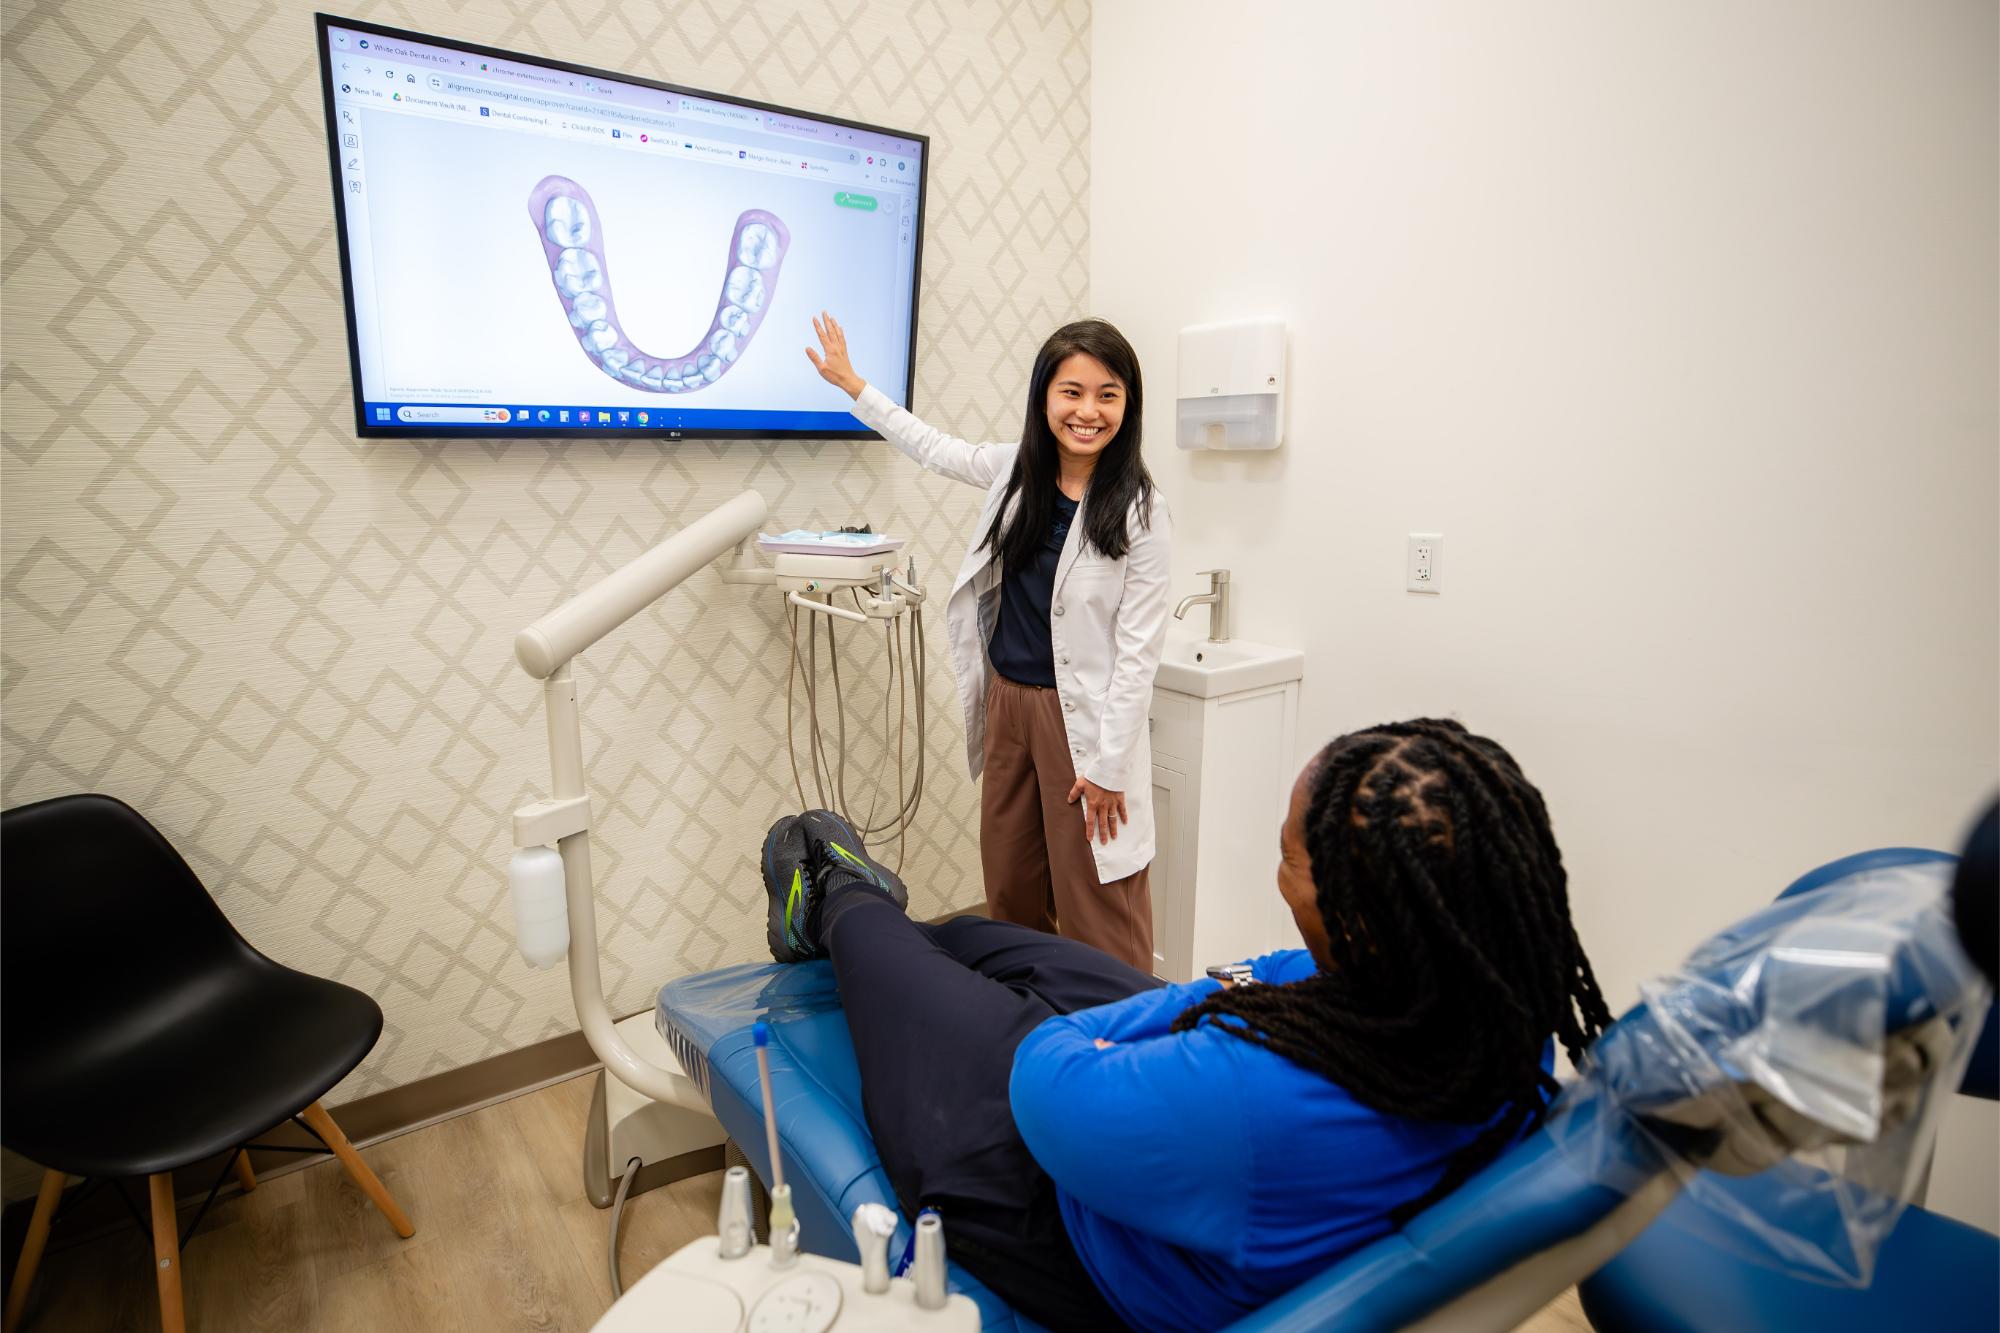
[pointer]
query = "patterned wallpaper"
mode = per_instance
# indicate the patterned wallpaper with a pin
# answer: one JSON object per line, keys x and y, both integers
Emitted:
{"x": 292, "y": 650}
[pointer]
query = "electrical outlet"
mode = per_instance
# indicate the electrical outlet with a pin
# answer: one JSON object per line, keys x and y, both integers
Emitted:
{"x": 1423, "y": 559}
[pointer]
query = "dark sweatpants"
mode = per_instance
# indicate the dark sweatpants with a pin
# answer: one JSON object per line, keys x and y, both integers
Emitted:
{"x": 936, "y": 1012}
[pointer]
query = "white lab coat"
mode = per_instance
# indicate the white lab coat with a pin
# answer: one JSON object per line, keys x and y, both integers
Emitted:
{"x": 1107, "y": 623}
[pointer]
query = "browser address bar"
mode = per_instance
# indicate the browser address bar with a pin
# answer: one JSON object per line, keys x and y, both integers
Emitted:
{"x": 791, "y": 152}
{"x": 566, "y": 105}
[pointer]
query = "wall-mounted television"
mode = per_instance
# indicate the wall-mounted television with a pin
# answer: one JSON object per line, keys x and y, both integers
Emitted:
{"x": 534, "y": 248}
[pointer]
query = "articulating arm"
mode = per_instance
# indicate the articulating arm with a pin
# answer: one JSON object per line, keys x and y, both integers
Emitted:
{"x": 545, "y": 649}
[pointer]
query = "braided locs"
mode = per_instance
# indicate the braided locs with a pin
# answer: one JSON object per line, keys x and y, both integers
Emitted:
{"x": 1453, "y": 957}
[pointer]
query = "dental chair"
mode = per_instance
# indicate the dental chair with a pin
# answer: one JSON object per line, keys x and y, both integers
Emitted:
{"x": 1717, "y": 1067}
{"x": 1533, "y": 1207}
{"x": 1543, "y": 1217}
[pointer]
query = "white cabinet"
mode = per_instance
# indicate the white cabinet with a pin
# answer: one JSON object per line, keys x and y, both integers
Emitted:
{"x": 1170, "y": 831}
{"x": 1223, "y": 768}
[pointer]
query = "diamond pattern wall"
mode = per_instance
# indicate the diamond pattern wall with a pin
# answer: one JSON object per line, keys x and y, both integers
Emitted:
{"x": 292, "y": 650}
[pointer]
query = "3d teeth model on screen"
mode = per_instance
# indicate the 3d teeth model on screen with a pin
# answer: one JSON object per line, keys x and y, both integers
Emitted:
{"x": 573, "y": 238}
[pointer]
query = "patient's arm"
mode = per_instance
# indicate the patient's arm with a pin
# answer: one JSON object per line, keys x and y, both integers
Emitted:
{"x": 1286, "y": 965}
{"x": 1145, "y": 1131}
{"x": 1273, "y": 969}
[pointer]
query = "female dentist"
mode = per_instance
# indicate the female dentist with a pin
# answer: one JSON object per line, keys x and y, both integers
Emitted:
{"x": 1056, "y": 621}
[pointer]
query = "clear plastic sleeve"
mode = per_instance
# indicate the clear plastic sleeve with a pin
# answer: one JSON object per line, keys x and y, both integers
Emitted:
{"x": 1803, "y": 1058}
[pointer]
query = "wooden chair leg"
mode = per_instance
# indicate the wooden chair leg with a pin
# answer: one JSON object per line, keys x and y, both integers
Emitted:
{"x": 31, "y": 1248}
{"x": 243, "y": 1172}
{"x": 167, "y": 1252}
{"x": 329, "y": 1133}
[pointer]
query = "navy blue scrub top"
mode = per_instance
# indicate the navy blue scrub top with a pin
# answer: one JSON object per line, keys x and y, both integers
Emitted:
{"x": 1020, "y": 648}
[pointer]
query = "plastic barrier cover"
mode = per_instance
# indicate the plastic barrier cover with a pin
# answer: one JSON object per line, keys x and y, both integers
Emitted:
{"x": 1804, "y": 1058}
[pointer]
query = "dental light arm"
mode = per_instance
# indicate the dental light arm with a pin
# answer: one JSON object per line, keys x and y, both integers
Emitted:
{"x": 545, "y": 650}
{"x": 545, "y": 646}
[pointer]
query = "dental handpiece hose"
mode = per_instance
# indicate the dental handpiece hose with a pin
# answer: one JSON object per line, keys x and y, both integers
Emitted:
{"x": 784, "y": 1223}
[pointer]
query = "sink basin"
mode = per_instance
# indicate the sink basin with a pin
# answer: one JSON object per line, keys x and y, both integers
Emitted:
{"x": 1204, "y": 670}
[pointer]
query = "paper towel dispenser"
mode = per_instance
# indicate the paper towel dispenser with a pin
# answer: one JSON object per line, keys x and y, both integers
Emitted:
{"x": 1232, "y": 382}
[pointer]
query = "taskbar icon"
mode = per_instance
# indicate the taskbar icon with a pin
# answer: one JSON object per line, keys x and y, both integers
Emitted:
{"x": 594, "y": 417}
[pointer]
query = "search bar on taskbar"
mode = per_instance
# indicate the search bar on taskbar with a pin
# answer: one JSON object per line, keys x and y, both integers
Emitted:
{"x": 442, "y": 414}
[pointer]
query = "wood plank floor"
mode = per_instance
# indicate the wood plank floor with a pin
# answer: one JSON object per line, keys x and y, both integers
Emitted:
{"x": 505, "y": 1241}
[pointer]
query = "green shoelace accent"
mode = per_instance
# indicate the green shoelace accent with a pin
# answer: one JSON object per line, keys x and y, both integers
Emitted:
{"x": 792, "y": 900}
{"x": 858, "y": 864}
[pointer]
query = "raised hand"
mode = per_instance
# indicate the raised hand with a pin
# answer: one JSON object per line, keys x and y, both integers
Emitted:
{"x": 831, "y": 360}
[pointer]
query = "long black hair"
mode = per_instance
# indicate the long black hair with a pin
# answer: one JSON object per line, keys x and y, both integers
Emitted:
{"x": 1453, "y": 958}
{"x": 1120, "y": 478}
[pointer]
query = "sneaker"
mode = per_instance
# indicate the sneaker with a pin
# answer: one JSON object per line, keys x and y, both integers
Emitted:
{"x": 788, "y": 884}
{"x": 834, "y": 845}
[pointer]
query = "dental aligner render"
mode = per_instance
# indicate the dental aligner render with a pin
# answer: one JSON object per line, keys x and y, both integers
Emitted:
{"x": 573, "y": 239}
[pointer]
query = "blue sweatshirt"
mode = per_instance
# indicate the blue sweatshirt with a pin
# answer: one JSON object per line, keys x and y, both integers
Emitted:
{"x": 1201, "y": 1175}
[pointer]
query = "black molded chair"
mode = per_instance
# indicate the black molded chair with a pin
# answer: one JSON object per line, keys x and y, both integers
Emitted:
{"x": 142, "y": 1033}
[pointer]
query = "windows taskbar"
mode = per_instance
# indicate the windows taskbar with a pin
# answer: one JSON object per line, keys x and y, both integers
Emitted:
{"x": 484, "y": 418}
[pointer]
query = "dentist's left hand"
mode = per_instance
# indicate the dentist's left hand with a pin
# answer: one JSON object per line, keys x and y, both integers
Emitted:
{"x": 831, "y": 360}
{"x": 1103, "y": 810}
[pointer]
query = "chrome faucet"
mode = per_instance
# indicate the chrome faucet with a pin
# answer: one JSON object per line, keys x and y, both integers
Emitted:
{"x": 1217, "y": 601}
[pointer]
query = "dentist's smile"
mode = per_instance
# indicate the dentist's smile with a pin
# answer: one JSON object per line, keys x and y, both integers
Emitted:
{"x": 1085, "y": 411}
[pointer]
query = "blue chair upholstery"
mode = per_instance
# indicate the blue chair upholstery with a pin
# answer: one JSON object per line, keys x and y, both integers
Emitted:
{"x": 1882, "y": 858}
{"x": 1931, "y": 1272}
{"x": 1535, "y": 1197}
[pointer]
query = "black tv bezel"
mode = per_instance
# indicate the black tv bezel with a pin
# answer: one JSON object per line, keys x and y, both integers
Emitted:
{"x": 365, "y": 430}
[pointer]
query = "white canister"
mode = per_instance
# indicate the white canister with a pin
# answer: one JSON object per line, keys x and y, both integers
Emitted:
{"x": 541, "y": 907}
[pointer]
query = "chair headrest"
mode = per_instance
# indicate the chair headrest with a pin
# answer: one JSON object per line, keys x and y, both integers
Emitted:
{"x": 1820, "y": 1036}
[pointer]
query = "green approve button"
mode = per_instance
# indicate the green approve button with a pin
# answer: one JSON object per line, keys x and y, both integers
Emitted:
{"x": 864, "y": 202}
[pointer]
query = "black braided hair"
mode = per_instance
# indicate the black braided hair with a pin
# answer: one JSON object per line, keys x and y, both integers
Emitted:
{"x": 1453, "y": 958}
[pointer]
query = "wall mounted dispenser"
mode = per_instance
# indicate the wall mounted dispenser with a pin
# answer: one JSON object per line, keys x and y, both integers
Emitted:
{"x": 1231, "y": 387}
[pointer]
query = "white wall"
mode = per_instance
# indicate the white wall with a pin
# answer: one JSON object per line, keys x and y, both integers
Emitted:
{"x": 1679, "y": 322}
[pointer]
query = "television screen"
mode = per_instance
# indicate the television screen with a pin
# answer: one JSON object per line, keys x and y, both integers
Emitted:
{"x": 534, "y": 248}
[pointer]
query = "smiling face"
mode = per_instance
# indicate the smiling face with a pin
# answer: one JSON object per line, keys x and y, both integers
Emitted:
{"x": 1086, "y": 405}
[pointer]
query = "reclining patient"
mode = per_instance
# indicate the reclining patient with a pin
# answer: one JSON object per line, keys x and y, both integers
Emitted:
{"x": 1108, "y": 1150}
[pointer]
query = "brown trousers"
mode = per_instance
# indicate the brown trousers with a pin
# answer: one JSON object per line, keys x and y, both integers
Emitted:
{"x": 1039, "y": 870}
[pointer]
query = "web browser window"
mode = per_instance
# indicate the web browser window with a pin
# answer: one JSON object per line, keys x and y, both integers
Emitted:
{"x": 532, "y": 248}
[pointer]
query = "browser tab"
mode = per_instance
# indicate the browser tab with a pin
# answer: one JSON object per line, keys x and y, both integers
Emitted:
{"x": 732, "y": 115}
